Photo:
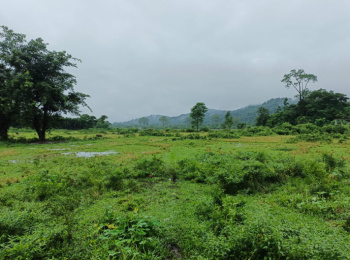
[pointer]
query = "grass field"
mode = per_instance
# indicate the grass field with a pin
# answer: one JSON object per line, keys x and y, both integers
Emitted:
{"x": 127, "y": 195}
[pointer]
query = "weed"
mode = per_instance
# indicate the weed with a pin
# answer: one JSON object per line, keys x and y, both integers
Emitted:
{"x": 127, "y": 237}
{"x": 146, "y": 167}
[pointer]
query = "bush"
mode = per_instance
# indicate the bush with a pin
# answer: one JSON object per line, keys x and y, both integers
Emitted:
{"x": 339, "y": 129}
{"x": 225, "y": 135}
{"x": 127, "y": 237}
{"x": 149, "y": 168}
{"x": 307, "y": 129}
{"x": 244, "y": 171}
{"x": 316, "y": 137}
{"x": 114, "y": 181}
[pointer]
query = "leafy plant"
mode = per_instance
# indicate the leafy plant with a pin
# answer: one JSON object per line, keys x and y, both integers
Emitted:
{"x": 128, "y": 236}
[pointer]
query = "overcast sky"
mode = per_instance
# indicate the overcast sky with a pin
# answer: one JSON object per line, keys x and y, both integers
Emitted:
{"x": 143, "y": 57}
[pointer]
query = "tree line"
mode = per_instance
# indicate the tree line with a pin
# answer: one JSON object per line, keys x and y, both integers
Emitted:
{"x": 35, "y": 89}
{"x": 319, "y": 107}
{"x": 84, "y": 121}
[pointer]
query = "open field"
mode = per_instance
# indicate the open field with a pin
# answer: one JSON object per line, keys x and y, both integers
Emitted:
{"x": 176, "y": 196}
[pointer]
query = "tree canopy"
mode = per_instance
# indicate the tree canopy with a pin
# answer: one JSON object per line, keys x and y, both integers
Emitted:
{"x": 164, "y": 120}
{"x": 299, "y": 81}
{"x": 228, "y": 121}
{"x": 143, "y": 121}
{"x": 263, "y": 116}
{"x": 317, "y": 105}
{"x": 197, "y": 114}
{"x": 37, "y": 89}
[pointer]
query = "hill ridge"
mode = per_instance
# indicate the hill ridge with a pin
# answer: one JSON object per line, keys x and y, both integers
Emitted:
{"x": 245, "y": 114}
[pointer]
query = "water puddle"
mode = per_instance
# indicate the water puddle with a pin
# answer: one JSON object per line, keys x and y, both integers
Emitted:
{"x": 18, "y": 161}
{"x": 91, "y": 154}
{"x": 14, "y": 161}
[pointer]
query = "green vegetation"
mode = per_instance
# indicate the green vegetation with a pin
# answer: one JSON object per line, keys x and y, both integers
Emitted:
{"x": 213, "y": 118}
{"x": 35, "y": 89}
{"x": 164, "y": 120}
{"x": 279, "y": 190}
{"x": 299, "y": 81}
{"x": 228, "y": 121}
{"x": 318, "y": 107}
{"x": 197, "y": 114}
{"x": 84, "y": 121}
{"x": 239, "y": 194}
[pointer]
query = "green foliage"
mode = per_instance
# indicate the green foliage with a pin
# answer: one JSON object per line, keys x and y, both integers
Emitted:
{"x": 248, "y": 172}
{"x": 151, "y": 132}
{"x": 299, "y": 81}
{"x": 143, "y": 121}
{"x": 257, "y": 131}
{"x": 319, "y": 107}
{"x": 260, "y": 198}
{"x": 114, "y": 181}
{"x": 190, "y": 137}
{"x": 197, "y": 114}
{"x": 311, "y": 138}
{"x": 263, "y": 115}
{"x": 164, "y": 120}
{"x": 332, "y": 163}
{"x": 226, "y": 135}
{"x": 127, "y": 237}
{"x": 228, "y": 121}
{"x": 38, "y": 82}
{"x": 153, "y": 167}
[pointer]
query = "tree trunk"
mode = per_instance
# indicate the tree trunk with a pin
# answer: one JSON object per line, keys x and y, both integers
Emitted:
{"x": 40, "y": 125}
{"x": 4, "y": 133}
{"x": 302, "y": 107}
{"x": 38, "y": 128}
{"x": 44, "y": 126}
{"x": 4, "y": 127}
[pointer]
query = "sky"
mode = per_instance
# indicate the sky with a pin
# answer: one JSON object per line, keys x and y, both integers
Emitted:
{"x": 143, "y": 57}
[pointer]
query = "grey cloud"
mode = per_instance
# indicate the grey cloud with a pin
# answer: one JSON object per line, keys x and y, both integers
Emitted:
{"x": 161, "y": 57}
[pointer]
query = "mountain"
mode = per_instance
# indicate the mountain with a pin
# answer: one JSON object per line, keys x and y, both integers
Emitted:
{"x": 245, "y": 115}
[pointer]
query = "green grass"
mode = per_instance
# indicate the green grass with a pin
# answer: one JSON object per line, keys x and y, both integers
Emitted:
{"x": 247, "y": 198}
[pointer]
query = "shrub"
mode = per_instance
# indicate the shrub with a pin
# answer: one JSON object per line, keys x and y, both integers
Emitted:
{"x": 146, "y": 167}
{"x": 114, "y": 181}
{"x": 332, "y": 163}
{"x": 127, "y": 237}
{"x": 340, "y": 129}
{"x": 226, "y": 135}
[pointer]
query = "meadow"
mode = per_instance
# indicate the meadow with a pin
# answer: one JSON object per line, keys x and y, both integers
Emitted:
{"x": 128, "y": 194}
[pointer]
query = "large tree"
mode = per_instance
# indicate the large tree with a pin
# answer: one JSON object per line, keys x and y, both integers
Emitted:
{"x": 299, "y": 80}
{"x": 197, "y": 114}
{"x": 164, "y": 120}
{"x": 143, "y": 121}
{"x": 228, "y": 121}
{"x": 6, "y": 106}
{"x": 215, "y": 120}
{"x": 263, "y": 115}
{"x": 328, "y": 105}
{"x": 10, "y": 81}
{"x": 48, "y": 90}
{"x": 317, "y": 106}
{"x": 102, "y": 122}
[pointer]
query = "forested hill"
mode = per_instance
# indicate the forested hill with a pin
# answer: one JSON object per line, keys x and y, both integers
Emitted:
{"x": 245, "y": 115}
{"x": 248, "y": 114}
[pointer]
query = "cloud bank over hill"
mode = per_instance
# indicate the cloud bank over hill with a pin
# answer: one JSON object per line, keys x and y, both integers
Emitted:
{"x": 162, "y": 57}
